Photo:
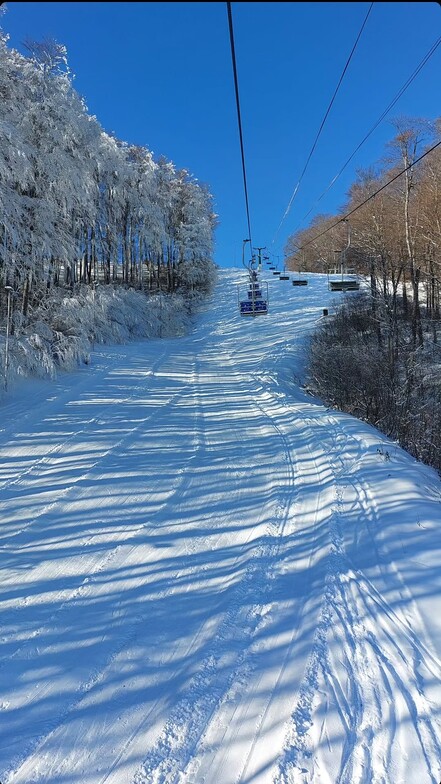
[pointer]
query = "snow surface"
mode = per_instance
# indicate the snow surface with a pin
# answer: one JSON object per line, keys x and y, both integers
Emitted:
{"x": 210, "y": 578}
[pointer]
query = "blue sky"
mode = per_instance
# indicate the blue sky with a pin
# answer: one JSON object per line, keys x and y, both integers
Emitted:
{"x": 160, "y": 75}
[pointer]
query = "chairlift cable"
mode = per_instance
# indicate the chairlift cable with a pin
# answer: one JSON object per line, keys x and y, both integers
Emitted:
{"x": 372, "y": 196}
{"x": 236, "y": 87}
{"x": 322, "y": 124}
{"x": 380, "y": 119}
{"x": 255, "y": 304}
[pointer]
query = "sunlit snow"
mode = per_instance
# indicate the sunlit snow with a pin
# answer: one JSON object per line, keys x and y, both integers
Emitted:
{"x": 210, "y": 578}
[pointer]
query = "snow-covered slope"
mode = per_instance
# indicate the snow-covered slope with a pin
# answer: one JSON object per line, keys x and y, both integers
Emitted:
{"x": 210, "y": 578}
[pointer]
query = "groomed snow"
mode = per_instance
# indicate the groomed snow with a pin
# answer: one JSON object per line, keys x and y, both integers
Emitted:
{"x": 210, "y": 578}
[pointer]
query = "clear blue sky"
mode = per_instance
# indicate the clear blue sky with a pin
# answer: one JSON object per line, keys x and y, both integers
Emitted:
{"x": 160, "y": 75}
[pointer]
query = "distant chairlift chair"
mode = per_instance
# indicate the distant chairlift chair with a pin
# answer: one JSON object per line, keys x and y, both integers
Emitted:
{"x": 256, "y": 303}
{"x": 299, "y": 281}
{"x": 348, "y": 284}
{"x": 343, "y": 282}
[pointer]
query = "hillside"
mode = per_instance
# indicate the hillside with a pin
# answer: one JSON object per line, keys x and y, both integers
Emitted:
{"x": 210, "y": 578}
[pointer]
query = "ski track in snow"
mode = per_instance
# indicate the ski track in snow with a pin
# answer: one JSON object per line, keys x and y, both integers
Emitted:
{"x": 381, "y": 655}
{"x": 71, "y": 493}
{"x": 202, "y": 579}
{"x": 169, "y": 760}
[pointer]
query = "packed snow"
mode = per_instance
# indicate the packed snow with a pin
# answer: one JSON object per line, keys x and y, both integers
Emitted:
{"x": 208, "y": 577}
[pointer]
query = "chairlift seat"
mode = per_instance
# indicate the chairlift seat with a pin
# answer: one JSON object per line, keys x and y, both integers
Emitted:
{"x": 255, "y": 307}
{"x": 300, "y": 282}
{"x": 344, "y": 285}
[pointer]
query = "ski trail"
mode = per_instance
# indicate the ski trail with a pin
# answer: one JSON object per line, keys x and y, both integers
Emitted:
{"x": 254, "y": 698}
{"x": 35, "y": 473}
{"x": 212, "y": 684}
{"x": 40, "y": 758}
{"x": 84, "y": 674}
{"x": 221, "y": 596}
{"x": 88, "y": 545}
{"x": 367, "y": 664}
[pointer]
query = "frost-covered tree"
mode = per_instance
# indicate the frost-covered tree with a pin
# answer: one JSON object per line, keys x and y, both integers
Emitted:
{"x": 78, "y": 204}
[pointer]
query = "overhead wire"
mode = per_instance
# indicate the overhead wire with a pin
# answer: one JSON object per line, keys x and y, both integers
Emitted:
{"x": 236, "y": 87}
{"x": 389, "y": 182}
{"x": 322, "y": 124}
{"x": 380, "y": 119}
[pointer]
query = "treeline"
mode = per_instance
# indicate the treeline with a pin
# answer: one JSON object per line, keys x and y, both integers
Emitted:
{"x": 379, "y": 357}
{"x": 394, "y": 238}
{"x": 80, "y": 206}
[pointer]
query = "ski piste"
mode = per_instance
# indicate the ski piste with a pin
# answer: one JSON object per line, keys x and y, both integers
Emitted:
{"x": 208, "y": 577}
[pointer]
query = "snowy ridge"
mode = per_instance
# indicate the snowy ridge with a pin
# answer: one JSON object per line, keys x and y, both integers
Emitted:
{"x": 208, "y": 577}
